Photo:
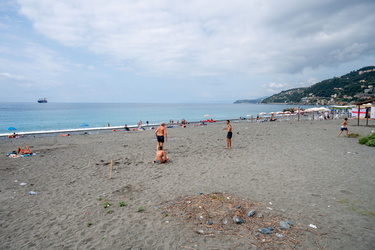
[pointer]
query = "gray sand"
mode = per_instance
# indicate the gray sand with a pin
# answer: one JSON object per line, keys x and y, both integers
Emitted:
{"x": 301, "y": 170}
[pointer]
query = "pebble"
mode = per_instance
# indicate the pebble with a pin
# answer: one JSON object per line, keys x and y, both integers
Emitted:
{"x": 280, "y": 235}
{"x": 210, "y": 222}
{"x": 251, "y": 213}
{"x": 199, "y": 192}
{"x": 201, "y": 231}
{"x": 284, "y": 225}
{"x": 290, "y": 222}
{"x": 225, "y": 221}
{"x": 265, "y": 231}
{"x": 238, "y": 207}
{"x": 238, "y": 220}
{"x": 260, "y": 215}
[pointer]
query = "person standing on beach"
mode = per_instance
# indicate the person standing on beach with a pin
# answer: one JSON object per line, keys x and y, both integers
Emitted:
{"x": 161, "y": 135}
{"x": 344, "y": 125}
{"x": 229, "y": 134}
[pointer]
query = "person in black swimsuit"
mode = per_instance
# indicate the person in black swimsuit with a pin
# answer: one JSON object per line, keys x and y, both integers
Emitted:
{"x": 161, "y": 135}
{"x": 229, "y": 134}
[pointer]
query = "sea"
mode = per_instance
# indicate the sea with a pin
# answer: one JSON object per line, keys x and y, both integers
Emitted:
{"x": 49, "y": 117}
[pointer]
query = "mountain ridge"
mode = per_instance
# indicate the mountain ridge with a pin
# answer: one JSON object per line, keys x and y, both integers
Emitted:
{"x": 357, "y": 85}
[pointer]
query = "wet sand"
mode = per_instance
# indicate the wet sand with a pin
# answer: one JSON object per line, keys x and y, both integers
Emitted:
{"x": 298, "y": 170}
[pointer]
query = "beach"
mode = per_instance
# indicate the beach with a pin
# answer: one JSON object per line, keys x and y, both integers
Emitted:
{"x": 289, "y": 170}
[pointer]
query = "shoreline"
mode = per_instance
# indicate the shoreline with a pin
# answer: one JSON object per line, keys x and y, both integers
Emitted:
{"x": 107, "y": 129}
{"x": 98, "y": 129}
{"x": 68, "y": 117}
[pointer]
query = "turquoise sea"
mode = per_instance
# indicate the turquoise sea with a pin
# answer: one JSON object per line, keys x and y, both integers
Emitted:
{"x": 31, "y": 117}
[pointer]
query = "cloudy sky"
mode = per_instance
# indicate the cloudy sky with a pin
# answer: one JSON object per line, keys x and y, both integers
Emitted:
{"x": 172, "y": 51}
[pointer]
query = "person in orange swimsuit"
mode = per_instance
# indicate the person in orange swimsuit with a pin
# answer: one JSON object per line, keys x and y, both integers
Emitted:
{"x": 25, "y": 151}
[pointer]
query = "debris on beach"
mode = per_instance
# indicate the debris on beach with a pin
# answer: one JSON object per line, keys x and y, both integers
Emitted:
{"x": 224, "y": 215}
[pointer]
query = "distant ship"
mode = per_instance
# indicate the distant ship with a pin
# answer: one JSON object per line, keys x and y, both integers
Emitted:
{"x": 42, "y": 100}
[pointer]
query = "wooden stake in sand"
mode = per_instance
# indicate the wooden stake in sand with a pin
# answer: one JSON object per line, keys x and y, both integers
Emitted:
{"x": 110, "y": 170}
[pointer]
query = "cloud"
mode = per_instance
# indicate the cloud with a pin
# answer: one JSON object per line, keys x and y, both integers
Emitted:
{"x": 8, "y": 75}
{"x": 273, "y": 87}
{"x": 32, "y": 59}
{"x": 210, "y": 38}
{"x": 125, "y": 51}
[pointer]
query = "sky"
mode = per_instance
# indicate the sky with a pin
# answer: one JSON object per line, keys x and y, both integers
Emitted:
{"x": 172, "y": 51}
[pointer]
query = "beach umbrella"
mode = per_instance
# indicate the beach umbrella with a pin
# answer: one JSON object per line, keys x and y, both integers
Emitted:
{"x": 322, "y": 109}
{"x": 11, "y": 128}
{"x": 316, "y": 109}
{"x": 206, "y": 115}
{"x": 263, "y": 113}
{"x": 84, "y": 125}
{"x": 311, "y": 110}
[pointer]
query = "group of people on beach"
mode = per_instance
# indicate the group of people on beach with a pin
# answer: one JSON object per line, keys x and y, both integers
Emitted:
{"x": 161, "y": 137}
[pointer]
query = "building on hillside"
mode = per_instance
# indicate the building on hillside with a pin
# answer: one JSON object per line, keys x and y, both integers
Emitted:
{"x": 365, "y": 71}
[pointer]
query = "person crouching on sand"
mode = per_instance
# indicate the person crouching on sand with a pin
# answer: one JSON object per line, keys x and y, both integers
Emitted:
{"x": 161, "y": 156}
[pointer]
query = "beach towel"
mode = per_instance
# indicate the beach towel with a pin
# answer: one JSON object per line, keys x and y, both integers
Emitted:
{"x": 15, "y": 155}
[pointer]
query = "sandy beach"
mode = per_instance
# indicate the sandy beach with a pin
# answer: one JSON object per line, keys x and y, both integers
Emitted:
{"x": 290, "y": 170}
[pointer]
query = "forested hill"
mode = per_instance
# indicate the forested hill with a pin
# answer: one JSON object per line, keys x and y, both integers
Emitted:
{"x": 354, "y": 86}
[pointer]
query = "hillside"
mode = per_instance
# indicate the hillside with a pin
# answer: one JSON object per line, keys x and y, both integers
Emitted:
{"x": 355, "y": 86}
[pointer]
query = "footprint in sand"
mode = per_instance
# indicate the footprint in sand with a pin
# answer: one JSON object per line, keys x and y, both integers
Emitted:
{"x": 345, "y": 192}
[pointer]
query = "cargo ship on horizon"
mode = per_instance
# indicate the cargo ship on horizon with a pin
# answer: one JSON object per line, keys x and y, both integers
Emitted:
{"x": 42, "y": 100}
